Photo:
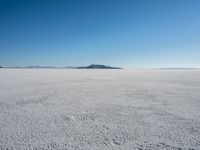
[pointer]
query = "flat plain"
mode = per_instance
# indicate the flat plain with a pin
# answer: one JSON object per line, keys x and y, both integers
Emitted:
{"x": 99, "y": 109}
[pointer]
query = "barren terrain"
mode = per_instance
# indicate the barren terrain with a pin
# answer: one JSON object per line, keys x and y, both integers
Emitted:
{"x": 99, "y": 109}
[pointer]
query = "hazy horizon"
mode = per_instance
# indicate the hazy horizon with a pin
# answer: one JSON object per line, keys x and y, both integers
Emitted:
{"x": 74, "y": 67}
{"x": 127, "y": 34}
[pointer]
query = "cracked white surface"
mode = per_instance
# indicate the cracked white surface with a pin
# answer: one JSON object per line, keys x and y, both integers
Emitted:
{"x": 99, "y": 109}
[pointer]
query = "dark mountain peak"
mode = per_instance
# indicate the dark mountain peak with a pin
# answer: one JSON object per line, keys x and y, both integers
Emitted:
{"x": 97, "y": 66}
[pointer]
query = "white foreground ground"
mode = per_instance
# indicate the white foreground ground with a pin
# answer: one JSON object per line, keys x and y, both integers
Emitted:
{"x": 99, "y": 109}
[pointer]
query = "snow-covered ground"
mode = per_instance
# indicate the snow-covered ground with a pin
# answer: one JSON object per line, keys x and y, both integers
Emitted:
{"x": 99, "y": 109}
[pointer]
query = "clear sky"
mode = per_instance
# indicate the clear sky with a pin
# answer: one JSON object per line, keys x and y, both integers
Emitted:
{"x": 124, "y": 33}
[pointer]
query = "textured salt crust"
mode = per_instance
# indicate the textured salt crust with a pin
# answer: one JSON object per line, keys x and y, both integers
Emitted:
{"x": 99, "y": 109}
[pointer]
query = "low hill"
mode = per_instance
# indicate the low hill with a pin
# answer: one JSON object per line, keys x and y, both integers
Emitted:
{"x": 96, "y": 66}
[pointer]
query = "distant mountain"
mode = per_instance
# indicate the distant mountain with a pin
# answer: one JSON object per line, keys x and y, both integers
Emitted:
{"x": 95, "y": 66}
{"x": 40, "y": 67}
{"x": 32, "y": 67}
{"x": 70, "y": 67}
{"x": 49, "y": 67}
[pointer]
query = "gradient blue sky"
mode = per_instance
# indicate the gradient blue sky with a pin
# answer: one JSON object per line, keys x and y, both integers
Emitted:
{"x": 125, "y": 33}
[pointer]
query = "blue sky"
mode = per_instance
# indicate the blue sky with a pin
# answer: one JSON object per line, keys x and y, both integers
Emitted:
{"x": 125, "y": 33}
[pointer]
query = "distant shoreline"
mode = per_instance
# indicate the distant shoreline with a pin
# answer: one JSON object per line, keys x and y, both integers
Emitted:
{"x": 161, "y": 69}
{"x": 68, "y": 67}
